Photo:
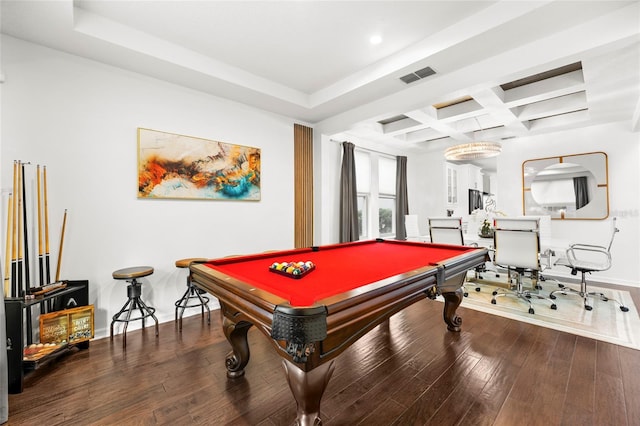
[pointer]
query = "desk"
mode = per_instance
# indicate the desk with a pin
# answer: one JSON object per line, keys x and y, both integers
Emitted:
{"x": 310, "y": 321}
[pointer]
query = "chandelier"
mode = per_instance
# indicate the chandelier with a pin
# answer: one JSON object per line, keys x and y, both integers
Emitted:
{"x": 473, "y": 151}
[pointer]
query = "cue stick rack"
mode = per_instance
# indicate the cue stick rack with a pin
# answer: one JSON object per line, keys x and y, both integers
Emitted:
{"x": 27, "y": 282}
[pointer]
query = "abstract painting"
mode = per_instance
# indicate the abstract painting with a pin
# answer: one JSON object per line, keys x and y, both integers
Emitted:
{"x": 178, "y": 166}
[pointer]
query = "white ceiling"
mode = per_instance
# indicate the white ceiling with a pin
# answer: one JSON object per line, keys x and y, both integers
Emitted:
{"x": 312, "y": 60}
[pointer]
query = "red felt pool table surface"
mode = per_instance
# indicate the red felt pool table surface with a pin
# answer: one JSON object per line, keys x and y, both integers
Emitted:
{"x": 339, "y": 268}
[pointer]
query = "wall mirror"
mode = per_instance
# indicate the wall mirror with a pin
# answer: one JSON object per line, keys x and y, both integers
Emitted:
{"x": 567, "y": 187}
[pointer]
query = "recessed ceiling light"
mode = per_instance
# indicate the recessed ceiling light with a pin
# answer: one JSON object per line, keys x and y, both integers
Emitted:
{"x": 375, "y": 39}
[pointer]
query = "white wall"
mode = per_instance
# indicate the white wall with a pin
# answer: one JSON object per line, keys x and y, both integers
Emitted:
{"x": 79, "y": 118}
{"x": 424, "y": 175}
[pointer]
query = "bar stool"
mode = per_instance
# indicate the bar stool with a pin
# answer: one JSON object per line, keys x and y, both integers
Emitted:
{"x": 134, "y": 290}
{"x": 192, "y": 298}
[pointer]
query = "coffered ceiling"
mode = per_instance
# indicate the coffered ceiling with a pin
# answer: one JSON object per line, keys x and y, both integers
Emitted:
{"x": 444, "y": 72}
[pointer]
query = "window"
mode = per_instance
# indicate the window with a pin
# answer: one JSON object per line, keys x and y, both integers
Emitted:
{"x": 386, "y": 196}
{"x": 363, "y": 217}
{"x": 363, "y": 185}
{"x": 387, "y": 217}
{"x": 452, "y": 185}
{"x": 376, "y": 184}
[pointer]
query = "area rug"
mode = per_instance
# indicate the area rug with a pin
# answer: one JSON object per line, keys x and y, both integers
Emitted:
{"x": 606, "y": 322}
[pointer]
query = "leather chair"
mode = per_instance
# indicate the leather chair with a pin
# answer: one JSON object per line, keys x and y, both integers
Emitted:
{"x": 448, "y": 230}
{"x": 588, "y": 258}
{"x": 413, "y": 230}
{"x": 517, "y": 248}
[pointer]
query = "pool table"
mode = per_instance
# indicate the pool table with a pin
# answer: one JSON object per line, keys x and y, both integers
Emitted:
{"x": 311, "y": 320}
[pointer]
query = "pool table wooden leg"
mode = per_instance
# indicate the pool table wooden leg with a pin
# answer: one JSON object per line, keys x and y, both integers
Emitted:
{"x": 452, "y": 300}
{"x": 237, "y": 336}
{"x": 307, "y": 388}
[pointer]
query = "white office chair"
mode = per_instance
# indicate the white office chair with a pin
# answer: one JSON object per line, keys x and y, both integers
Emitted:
{"x": 518, "y": 251}
{"x": 413, "y": 230}
{"x": 539, "y": 224}
{"x": 448, "y": 230}
{"x": 587, "y": 258}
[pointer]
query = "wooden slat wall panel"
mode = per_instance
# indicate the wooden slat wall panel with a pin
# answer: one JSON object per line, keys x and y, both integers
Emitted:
{"x": 303, "y": 186}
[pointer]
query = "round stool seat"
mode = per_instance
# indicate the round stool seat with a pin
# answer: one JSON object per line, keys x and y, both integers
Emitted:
{"x": 184, "y": 263}
{"x": 133, "y": 272}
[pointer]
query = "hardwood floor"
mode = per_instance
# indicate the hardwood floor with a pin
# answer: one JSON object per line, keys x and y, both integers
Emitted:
{"x": 409, "y": 371}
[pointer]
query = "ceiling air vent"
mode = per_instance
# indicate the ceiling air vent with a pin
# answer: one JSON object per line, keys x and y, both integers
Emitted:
{"x": 417, "y": 75}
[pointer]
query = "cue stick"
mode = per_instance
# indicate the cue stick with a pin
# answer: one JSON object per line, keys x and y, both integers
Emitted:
{"x": 7, "y": 281}
{"x": 20, "y": 227}
{"x": 40, "y": 259}
{"x": 14, "y": 239}
{"x": 46, "y": 225}
{"x": 27, "y": 283}
{"x": 64, "y": 224}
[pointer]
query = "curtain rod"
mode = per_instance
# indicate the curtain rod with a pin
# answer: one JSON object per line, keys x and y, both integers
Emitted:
{"x": 367, "y": 149}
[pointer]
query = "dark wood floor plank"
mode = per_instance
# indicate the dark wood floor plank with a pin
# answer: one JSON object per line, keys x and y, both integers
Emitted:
{"x": 607, "y": 359}
{"x": 582, "y": 378}
{"x": 630, "y": 373}
{"x": 609, "y": 401}
{"x": 517, "y": 412}
{"x": 353, "y": 410}
{"x": 488, "y": 403}
{"x": 425, "y": 406}
{"x": 384, "y": 414}
{"x": 455, "y": 408}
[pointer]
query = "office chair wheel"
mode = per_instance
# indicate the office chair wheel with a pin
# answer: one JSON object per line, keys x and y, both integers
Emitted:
{"x": 560, "y": 285}
{"x": 466, "y": 294}
{"x": 493, "y": 301}
{"x": 588, "y": 308}
{"x": 528, "y": 296}
{"x": 604, "y": 298}
{"x": 531, "y": 311}
{"x": 554, "y": 307}
{"x": 495, "y": 292}
{"x": 552, "y": 296}
{"x": 478, "y": 289}
{"x": 624, "y": 309}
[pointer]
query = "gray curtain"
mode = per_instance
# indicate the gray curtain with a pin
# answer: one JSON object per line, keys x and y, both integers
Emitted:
{"x": 402, "y": 201}
{"x": 475, "y": 200}
{"x": 581, "y": 189}
{"x": 348, "y": 196}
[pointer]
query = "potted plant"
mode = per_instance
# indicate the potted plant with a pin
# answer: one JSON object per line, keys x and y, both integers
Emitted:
{"x": 486, "y": 230}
